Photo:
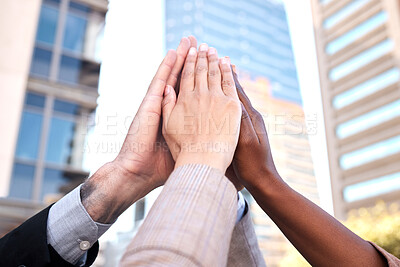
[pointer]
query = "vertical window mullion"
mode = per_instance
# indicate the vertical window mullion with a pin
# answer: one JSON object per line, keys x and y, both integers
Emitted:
{"x": 57, "y": 48}
{"x": 39, "y": 172}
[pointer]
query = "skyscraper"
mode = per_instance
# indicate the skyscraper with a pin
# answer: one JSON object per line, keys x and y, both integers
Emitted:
{"x": 358, "y": 48}
{"x": 255, "y": 35}
{"x": 49, "y": 91}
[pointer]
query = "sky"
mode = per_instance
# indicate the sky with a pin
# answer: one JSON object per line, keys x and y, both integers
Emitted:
{"x": 134, "y": 45}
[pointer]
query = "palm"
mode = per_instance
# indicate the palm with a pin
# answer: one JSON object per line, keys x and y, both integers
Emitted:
{"x": 160, "y": 162}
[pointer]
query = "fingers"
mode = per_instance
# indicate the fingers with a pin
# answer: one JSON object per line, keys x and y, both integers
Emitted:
{"x": 214, "y": 73}
{"x": 202, "y": 68}
{"x": 181, "y": 52}
{"x": 247, "y": 131}
{"x": 193, "y": 41}
{"x": 168, "y": 103}
{"x": 228, "y": 84}
{"x": 187, "y": 77}
{"x": 242, "y": 95}
{"x": 159, "y": 81}
{"x": 255, "y": 117}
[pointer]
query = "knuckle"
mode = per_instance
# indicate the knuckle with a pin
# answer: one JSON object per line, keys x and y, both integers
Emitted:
{"x": 186, "y": 74}
{"x": 213, "y": 73}
{"x": 190, "y": 59}
{"x": 201, "y": 68}
{"x": 203, "y": 54}
{"x": 228, "y": 84}
{"x": 212, "y": 59}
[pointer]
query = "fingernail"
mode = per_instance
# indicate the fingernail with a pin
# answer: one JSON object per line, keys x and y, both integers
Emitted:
{"x": 224, "y": 61}
{"x": 192, "y": 51}
{"x": 168, "y": 89}
{"x": 228, "y": 60}
{"x": 212, "y": 51}
{"x": 203, "y": 47}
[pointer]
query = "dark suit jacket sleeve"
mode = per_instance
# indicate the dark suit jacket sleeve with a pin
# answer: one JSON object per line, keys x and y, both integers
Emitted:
{"x": 27, "y": 245}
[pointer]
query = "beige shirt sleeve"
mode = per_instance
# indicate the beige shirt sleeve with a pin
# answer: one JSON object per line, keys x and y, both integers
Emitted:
{"x": 190, "y": 224}
{"x": 244, "y": 249}
{"x": 391, "y": 259}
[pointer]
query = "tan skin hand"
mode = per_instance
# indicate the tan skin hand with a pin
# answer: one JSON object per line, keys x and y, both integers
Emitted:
{"x": 151, "y": 158}
{"x": 144, "y": 161}
{"x": 202, "y": 125}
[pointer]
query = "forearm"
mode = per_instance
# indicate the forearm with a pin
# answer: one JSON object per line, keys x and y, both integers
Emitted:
{"x": 319, "y": 237}
{"x": 193, "y": 218}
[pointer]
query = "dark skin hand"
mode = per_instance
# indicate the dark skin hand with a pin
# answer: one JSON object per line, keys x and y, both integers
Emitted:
{"x": 319, "y": 237}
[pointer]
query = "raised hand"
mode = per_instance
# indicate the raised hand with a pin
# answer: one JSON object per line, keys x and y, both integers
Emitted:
{"x": 253, "y": 153}
{"x": 144, "y": 161}
{"x": 202, "y": 125}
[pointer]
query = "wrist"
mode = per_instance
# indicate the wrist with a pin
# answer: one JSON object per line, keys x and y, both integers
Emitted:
{"x": 110, "y": 191}
{"x": 265, "y": 181}
{"x": 215, "y": 160}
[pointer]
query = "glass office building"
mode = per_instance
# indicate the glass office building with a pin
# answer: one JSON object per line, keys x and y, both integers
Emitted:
{"x": 253, "y": 33}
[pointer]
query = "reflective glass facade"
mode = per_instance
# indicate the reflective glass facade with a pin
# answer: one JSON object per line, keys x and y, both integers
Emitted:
{"x": 52, "y": 135}
{"x": 253, "y": 33}
{"x": 68, "y": 42}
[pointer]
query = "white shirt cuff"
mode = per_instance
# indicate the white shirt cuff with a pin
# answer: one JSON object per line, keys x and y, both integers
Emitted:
{"x": 70, "y": 229}
{"x": 241, "y": 207}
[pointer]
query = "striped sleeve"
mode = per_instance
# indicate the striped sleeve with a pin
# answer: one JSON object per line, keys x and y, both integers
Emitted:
{"x": 191, "y": 222}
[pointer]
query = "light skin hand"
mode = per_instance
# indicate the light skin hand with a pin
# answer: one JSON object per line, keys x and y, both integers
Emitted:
{"x": 202, "y": 125}
{"x": 144, "y": 161}
{"x": 320, "y": 238}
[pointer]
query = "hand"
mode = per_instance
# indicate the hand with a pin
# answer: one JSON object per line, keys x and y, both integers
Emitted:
{"x": 144, "y": 161}
{"x": 201, "y": 126}
{"x": 253, "y": 159}
{"x": 145, "y": 153}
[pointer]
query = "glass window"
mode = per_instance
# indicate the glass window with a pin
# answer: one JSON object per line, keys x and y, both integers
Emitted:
{"x": 47, "y": 25}
{"x": 54, "y": 183}
{"x": 55, "y": 2}
{"x": 29, "y": 135}
{"x": 41, "y": 62}
{"x": 361, "y": 60}
{"x": 369, "y": 120}
{"x": 66, "y": 107}
{"x": 375, "y": 187}
{"x": 75, "y": 71}
{"x": 60, "y": 142}
{"x": 74, "y": 34}
{"x": 34, "y": 100}
{"x": 22, "y": 181}
{"x": 370, "y": 153}
{"x": 70, "y": 70}
{"x": 356, "y": 33}
{"x": 344, "y": 12}
{"x": 73, "y": 6}
{"x": 367, "y": 88}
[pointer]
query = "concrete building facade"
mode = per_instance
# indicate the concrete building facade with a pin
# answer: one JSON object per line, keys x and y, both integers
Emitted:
{"x": 48, "y": 80}
{"x": 358, "y": 48}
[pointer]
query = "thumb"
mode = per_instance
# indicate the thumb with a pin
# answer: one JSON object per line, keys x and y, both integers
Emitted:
{"x": 168, "y": 102}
